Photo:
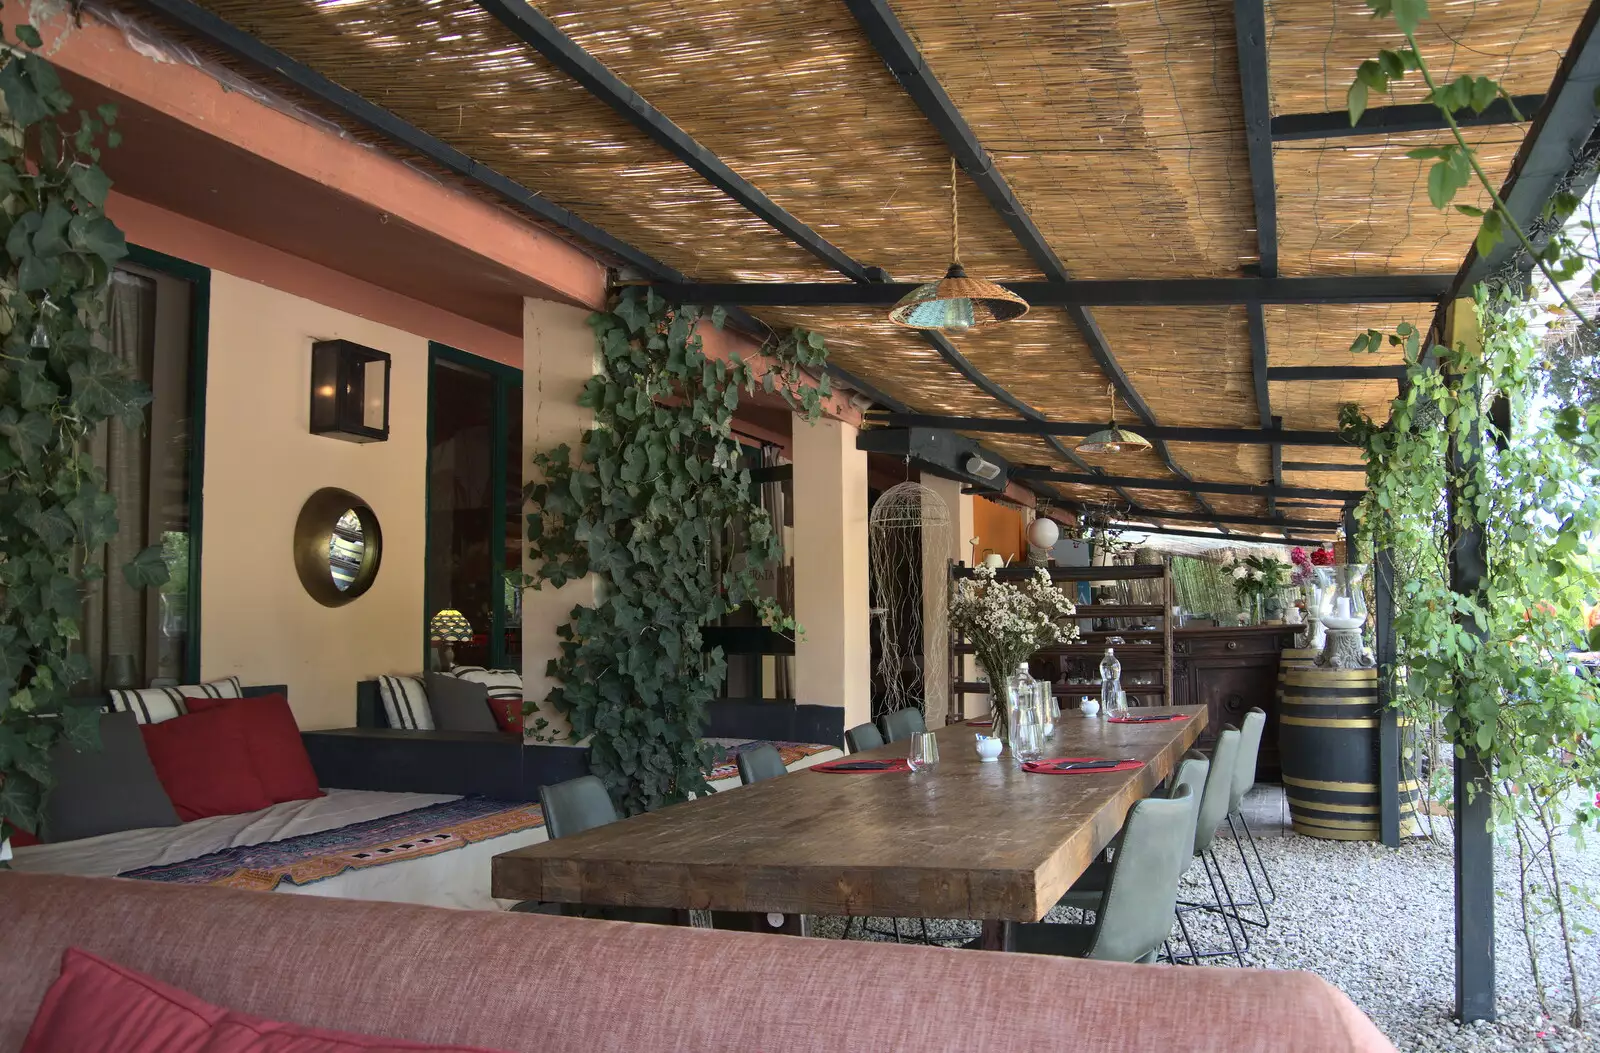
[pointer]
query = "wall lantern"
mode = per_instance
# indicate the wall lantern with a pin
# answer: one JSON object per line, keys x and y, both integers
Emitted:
{"x": 349, "y": 391}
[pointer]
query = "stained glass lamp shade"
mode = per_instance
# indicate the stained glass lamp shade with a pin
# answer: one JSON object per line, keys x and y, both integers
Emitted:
{"x": 450, "y": 626}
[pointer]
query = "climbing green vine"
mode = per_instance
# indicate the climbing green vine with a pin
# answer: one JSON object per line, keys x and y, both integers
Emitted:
{"x": 1494, "y": 670}
{"x": 648, "y": 504}
{"x": 56, "y": 388}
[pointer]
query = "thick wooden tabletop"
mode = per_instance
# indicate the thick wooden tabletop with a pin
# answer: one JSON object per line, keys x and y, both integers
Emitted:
{"x": 965, "y": 839}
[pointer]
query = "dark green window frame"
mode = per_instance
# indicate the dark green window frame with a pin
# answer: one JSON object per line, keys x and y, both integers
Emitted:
{"x": 199, "y": 279}
{"x": 506, "y": 383}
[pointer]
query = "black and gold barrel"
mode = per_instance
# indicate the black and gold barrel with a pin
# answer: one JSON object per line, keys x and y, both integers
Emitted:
{"x": 1328, "y": 742}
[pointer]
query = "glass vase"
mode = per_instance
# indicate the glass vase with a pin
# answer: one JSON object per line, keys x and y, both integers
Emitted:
{"x": 1005, "y": 691}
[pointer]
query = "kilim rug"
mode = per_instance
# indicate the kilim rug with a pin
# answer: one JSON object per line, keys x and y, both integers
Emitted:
{"x": 310, "y": 858}
{"x": 728, "y": 767}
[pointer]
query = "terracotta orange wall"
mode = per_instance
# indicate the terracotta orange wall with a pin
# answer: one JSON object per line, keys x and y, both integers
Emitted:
{"x": 156, "y": 228}
{"x": 998, "y": 527}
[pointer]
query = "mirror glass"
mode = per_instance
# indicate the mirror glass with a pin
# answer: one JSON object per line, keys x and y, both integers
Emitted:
{"x": 345, "y": 549}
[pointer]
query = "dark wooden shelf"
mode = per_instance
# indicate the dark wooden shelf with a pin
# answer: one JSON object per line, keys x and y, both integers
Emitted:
{"x": 1120, "y": 610}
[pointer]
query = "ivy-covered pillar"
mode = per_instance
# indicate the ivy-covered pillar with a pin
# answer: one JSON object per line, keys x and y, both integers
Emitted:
{"x": 936, "y": 687}
{"x": 833, "y": 655}
{"x": 558, "y": 358}
{"x": 1474, "y": 848}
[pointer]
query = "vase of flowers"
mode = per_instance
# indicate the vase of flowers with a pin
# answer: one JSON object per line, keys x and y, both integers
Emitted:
{"x": 1006, "y": 622}
{"x": 1255, "y": 578}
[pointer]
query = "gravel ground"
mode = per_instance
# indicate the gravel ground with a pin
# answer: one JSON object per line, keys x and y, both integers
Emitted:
{"x": 1379, "y": 924}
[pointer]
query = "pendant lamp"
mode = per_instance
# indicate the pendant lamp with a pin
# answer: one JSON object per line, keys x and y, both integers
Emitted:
{"x": 957, "y": 303}
{"x": 1112, "y": 439}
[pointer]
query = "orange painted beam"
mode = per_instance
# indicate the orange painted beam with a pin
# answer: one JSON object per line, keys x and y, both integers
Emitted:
{"x": 101, "y": 53}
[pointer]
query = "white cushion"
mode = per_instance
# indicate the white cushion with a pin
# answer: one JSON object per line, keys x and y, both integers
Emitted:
{"x": 405, "y": 702}
{"x": 501, "y": 683}
{"x": 152, "y": 705}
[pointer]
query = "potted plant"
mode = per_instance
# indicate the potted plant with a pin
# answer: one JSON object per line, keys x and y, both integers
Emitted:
{"x": 1006, "y": 623}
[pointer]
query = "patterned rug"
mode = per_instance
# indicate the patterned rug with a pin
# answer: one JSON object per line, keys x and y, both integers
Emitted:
{"x": 728, "y": 767}
{"x": 310, "y": 858}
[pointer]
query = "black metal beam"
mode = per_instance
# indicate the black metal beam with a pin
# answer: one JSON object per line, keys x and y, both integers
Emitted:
{"x": 1277, "y": 467}
{"x": 1115, "y": 292}
{"x": 561, "y": 51}
{"x": 1336, "y": 373}
{"x": 201, "y": 23}
{"x": 1561, "y": 131}
{"x": 1474, "y": 847}
{"x": 1010, "y": 426}
{"x": 1259, "y": 372}
{"x": 905, "y": 63}
{"x": 1235, "y": 489}
{"x": 1213, "y": 536}
{"x": 1329, "y": 525}
{"x": 1322, "y": 466}
{"x": 1250, "y": 30}
{"x": 1385, "y": 652}
{"x": 1384, "y": 120}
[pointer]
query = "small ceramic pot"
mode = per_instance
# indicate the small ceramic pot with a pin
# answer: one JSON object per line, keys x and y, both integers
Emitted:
{"x": 988, "y": 748}
{"x": 1089, "y": 707}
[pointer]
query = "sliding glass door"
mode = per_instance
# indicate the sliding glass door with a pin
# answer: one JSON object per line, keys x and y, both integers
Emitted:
{"x": 475, "y": 502}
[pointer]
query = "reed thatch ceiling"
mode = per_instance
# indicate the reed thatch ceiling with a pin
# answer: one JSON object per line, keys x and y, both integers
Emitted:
{"x": 1119, "y": 128}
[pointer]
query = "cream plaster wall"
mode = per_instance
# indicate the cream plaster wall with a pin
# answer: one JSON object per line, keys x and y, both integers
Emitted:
{"x": 833, "y": 657}
{"x": 262, "y": 462}
{"x": 558, "y": 359}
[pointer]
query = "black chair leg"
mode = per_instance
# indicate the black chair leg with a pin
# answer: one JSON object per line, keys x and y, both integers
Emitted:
{"x": 1256, "y": 899}
{"x": 1207, "y": 859}
{"x": 1272, "y": 893}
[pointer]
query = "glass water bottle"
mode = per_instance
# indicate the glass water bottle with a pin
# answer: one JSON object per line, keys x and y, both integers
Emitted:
{"x": 1112, "y": 700}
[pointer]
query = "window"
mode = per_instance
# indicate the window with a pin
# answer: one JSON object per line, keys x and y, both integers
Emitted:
{"x": 156, "y": 326}
{"x": 475, "y": 502}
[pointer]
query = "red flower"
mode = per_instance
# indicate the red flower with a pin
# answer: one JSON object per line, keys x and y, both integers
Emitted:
{"x": 1298, "y": 557}
{"x": 1322, "y": 557}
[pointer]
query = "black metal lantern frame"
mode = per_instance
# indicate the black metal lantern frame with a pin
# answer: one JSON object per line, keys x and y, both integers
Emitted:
{"x": 349, "y": 391}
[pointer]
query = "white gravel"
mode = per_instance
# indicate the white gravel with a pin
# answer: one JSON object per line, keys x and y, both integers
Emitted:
{"x": 1379, "y": 924}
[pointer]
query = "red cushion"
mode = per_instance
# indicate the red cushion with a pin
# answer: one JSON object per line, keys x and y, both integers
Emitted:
{"x": 22, "y": 839}
{"x": 97, "y": 1006}
{"x": 203, "y": 762}
{"x": 508, "y": 714}
{"x": 276, "y": 749}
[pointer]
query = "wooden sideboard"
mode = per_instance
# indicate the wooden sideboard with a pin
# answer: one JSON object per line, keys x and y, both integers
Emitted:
{"x": 1229, "y": 671}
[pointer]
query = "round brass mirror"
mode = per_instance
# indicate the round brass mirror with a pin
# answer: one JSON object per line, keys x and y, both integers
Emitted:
{"x": 337, "y": 546}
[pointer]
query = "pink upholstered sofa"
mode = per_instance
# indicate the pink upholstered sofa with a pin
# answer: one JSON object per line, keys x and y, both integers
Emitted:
{"x": 522, "y": 982}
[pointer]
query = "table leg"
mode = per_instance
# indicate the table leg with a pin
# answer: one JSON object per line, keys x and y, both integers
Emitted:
{"x": 995, "y": 936}
{"x": 752, "y": 921}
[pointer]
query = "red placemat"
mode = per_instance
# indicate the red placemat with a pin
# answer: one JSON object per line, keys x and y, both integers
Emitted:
{"x": 1048, "y": 767}
{"x": 842, "y": 767}
{"x": 980, "y": 723}
{"x": 1147, "y": 720}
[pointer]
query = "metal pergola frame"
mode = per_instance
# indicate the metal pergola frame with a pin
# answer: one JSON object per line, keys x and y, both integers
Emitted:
{"x": 1556, "y": 154}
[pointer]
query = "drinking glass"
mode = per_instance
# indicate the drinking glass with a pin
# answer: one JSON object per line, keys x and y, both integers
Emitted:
{"x": 924, "y": 752}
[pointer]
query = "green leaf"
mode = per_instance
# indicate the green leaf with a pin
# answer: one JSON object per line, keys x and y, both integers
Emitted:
{"x": 1408, "y": 14}
{"x": 1356, "y": 100}
{"x": 1484, "y": 91}
{"x": 51, "y": 239}
{"x": 1489, "y": 233}
{"x": 29, "y": 35}
{"x": 1470, "y": 210}
{"x": 38, "y": 273}
{"x": 92, "y": 183}
{"x": 719, "y": 315}
{"x": 24, "y": 105}
{"x": 97, "y": 235}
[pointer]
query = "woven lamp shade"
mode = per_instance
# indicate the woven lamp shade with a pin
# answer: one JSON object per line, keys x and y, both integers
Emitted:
{"x": 956, "y": 303}
{"x": 449, "y": 626}
{"x": 1113, "y": 440}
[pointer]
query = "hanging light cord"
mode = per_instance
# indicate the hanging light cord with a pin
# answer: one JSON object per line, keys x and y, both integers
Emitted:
{"x": 955, "y": 217}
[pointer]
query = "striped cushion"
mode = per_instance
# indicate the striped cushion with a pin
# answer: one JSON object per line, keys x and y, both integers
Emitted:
{"x": 463, "y": 670}
{"x": 152, "y": 705}
{"x": 405, "y": 702}
{"x": 501, "y": 683}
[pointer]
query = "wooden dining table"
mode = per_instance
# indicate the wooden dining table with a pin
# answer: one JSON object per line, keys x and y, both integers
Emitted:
{"x": 963, "y": 839}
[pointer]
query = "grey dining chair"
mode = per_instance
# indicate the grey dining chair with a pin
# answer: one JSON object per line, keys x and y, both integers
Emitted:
{"x": 1244, "y": 781}
{"x": 570, "y": 808}
{"x": 1215, "y": 801}
{"x": 762, "y": 762}
{"x": 902, "y": 724}
{"x": 1090, "y": 888}
{"x": 1141, "y": 897}
{"x": 863, "y": 737}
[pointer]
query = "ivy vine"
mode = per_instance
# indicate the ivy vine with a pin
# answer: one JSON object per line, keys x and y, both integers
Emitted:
{"x": 57, "y": 386}
{"x": 1492, "y": 670}
{"x": 648, "y": 503}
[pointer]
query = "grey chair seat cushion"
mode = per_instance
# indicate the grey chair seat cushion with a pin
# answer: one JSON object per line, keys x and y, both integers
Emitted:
{"x": 108, "y": 790}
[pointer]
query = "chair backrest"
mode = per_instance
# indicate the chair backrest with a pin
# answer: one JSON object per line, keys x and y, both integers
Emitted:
{"x": 1218, "y": 795}
{"x": 1142, "y": 890}
{"x": 863, "y": 737}
{"x": 1191, "y": 775}
{"x": 762, "y": 762}
{"x": 903, "y": 723}
{"x": 576, "y": 805}
{"x": 1244, "y": 774}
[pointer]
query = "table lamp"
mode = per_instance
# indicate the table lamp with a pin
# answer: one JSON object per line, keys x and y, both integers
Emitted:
{"x": 449, "y": 627}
